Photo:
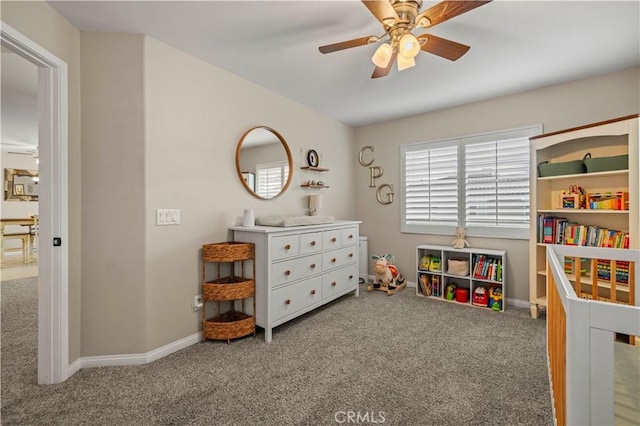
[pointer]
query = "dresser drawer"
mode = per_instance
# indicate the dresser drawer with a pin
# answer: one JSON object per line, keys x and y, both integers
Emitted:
{"x": 285, "y": 246}
{"x": 337, "y": 258}
{"x": 337, "y": 281}
{"x": 311, "y": 243}
{"x": 349, "y": 236}
{"x": 292, "y": 270}
{"x": 289, "y": 299}
{"x": 331, "y": 239}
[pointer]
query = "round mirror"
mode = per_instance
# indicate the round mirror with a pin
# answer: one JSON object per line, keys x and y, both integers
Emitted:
{"x": 263, "y": 162}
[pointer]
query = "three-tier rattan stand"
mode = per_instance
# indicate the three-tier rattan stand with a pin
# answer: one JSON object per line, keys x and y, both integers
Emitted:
{"x": 231, "y": 259}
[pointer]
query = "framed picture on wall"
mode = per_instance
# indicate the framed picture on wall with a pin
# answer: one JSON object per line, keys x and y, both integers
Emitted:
{"x": 20, "y": 185}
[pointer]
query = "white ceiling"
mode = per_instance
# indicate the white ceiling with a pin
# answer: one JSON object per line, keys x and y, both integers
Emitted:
{"x": 515, "y": 46}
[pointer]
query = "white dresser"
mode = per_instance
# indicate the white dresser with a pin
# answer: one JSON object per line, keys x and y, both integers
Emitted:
{"x": 300, "y": 268}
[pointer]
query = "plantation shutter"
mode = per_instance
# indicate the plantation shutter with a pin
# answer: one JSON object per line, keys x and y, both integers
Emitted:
{"x": 497, "y": 183}
{"x": 431, "y": 185}
{"x": 270, "y": 178}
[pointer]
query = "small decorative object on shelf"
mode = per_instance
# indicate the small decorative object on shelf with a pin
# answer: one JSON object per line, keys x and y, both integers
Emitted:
{"x": 481, "y": 296}
{"x": 608, "y": 200}
{"x": 575, "y": 198}
{"x": 232, "y": 285}
{"x": 460, "y": 242}
{"x": 312, "y": 158}
{"x": 495, "y": 294}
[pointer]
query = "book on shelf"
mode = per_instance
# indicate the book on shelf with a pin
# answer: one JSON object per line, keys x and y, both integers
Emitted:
{"x": 487, "y": 268}
{"x": 558, "y": 230}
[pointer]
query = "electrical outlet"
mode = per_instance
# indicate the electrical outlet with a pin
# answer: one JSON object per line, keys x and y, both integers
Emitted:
{"x": 197, "y": 302}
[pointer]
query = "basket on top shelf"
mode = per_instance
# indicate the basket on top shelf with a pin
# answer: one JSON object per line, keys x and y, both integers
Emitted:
{"x": 229, "y": 287}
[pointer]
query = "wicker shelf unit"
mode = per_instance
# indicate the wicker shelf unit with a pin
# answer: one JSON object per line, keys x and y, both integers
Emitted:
{"x": 233, "y": 283}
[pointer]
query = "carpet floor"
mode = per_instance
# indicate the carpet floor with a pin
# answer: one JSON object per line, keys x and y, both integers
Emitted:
{"x": 395, "y": 360}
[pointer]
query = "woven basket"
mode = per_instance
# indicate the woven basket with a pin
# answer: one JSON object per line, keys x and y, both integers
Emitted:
{"x": 227, "y": 251}
{"x": 229, "y": 325}
{"x": 229, "y": 288}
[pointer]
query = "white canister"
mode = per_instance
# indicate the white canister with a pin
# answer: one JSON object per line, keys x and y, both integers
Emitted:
{"x": 248, "y": 219}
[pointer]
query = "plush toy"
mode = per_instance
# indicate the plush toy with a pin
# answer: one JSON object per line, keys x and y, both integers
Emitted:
{"x": 460, "y": 242}
{"x": 387, "y": 276}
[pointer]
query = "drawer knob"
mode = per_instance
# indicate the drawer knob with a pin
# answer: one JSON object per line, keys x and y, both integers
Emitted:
{"x": 313, "y": 243}
{"x": 350, "y": 255}
{"x": 313, "y": 266}
{"x": 313, "y": 292}
{"x": 287, "y": 302}
{"x": 350, "y": 236}
{"x": 287, "y": 247}
{"x": 350, "y": 277}
{"x": 333, "y": 260}
{"x": 287, "y": 272}
{"x": 333, "y": 240}
{"x": 333, "y": 284}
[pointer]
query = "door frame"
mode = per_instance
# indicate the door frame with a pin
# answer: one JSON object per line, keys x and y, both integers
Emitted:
{"x": 53, "y": 262}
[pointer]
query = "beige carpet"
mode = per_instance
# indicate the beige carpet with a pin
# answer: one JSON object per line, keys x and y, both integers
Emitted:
{"x": 405, "y": 359}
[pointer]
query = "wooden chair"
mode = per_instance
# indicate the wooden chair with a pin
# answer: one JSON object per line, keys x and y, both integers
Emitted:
{"x": 25, "y": 237}
{"x": 33, "y": 237}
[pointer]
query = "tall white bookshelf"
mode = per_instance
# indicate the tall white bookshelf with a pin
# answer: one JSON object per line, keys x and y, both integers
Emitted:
{"x": 603, "y": 139}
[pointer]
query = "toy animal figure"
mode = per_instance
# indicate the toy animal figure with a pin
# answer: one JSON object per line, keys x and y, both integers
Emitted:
{"x": 460, "y": 242}
{"x": 387, "y": 276}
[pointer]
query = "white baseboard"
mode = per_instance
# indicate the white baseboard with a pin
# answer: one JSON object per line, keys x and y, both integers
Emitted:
{"x": 133, "y": 359}
{"x": 518, "y": 303}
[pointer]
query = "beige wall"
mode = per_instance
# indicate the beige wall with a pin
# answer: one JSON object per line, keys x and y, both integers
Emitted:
{"x": 113, "y": 194}
{"x": 558, "y": 107}
{"x": 195, "y": 115}
{"x": 43, "y": 25}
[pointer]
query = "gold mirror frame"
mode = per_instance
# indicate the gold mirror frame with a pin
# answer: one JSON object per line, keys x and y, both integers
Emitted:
{"x": 20, "y": 185}
{"x": 241, "y": 174}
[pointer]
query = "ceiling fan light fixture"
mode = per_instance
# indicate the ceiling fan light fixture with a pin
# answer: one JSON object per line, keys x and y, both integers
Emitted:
{"x": 409, "y": 46}
{"x": 382, "y": 57}
{"x": 404, "y": 63}
{"x": 423, "y": 22}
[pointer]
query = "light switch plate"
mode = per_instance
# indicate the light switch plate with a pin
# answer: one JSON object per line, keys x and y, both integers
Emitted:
{"x": 167, "y": 217}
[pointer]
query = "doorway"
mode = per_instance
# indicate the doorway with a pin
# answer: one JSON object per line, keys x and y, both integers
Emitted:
{"x": 19, "y": 147}
{"x": 53, "y": 329}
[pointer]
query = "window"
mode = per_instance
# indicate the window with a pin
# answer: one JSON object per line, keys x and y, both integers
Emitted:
{"x": 478, "y": 182}
{"x": 270, "y": 178}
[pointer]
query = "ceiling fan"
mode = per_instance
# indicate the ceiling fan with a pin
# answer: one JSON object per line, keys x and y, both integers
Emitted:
{"x": 398, "y": 19}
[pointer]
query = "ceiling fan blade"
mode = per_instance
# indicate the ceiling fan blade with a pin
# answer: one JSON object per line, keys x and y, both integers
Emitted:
{"x": 442, "y": 47}
{"x": 383, "y": 11}
{"x": 329, "y": 48}
{"x": 383, "y": 72}
{"x": 446, "y": 10}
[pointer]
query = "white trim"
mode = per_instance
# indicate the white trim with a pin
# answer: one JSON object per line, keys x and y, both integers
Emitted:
{"x": 138, "y": 359}
{"x": 53, "y": 314}
{"x": 518, "y": 303}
